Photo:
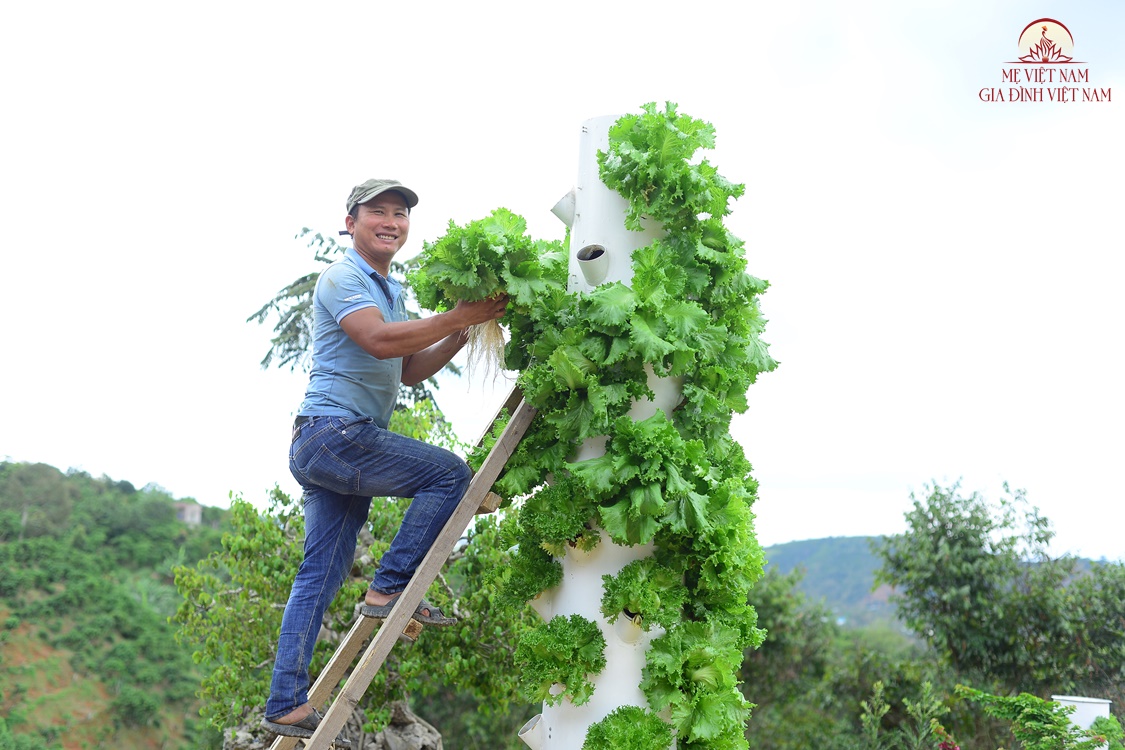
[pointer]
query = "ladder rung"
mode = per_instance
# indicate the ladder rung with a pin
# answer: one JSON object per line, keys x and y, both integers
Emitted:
{"x": 490, "y": 503}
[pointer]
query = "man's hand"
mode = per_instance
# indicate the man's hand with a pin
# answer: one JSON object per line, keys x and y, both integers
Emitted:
{"x": 483, "y": 310}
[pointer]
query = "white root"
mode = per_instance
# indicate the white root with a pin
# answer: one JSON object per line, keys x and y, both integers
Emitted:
{"x": 486, "y": 350}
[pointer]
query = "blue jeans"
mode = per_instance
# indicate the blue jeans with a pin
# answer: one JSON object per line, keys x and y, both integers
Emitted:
{"x": 341, "y": 463}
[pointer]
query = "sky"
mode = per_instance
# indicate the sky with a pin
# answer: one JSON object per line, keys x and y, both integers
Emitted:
{"x": 945, "y": 271}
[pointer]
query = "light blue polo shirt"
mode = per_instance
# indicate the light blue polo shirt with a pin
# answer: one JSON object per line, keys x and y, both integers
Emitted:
{"x": 345, "y": 380}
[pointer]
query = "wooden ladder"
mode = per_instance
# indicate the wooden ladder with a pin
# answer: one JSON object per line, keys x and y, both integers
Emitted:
{"x": 476, "y": 498}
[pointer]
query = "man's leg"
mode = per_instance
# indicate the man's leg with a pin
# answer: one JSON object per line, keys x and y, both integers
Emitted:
{"x": 436, "y": 479}
{"x": 356, "y": 459}
{"x": 332, "y": 522}
{"x": 390, "y": 465}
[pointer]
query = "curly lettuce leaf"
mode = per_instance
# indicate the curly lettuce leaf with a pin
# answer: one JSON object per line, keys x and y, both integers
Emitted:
{"x": 646, "y": 591}
{"x": 693, "y": 668}
{"x": 486, "y": 257}
{"x": 650, "y": 162}
{"x": 563, "y": 652}
{"x": 629, "y": 727}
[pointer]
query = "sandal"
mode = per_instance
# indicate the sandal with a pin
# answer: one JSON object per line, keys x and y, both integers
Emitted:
{"x": 435, "y": 617}
{"x": 303, "y": 728}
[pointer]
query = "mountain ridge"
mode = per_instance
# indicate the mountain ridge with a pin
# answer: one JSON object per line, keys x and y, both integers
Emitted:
{"x": 838, "y": 572}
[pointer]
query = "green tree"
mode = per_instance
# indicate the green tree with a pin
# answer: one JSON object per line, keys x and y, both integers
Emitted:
{"x": 976, "y": 581}
{"x": 916, "y": 732}
{"x": 785, "y": 675}
{"x": 1038, "y": 724}
{"x": 799, "y": 634}
{"x": 83, "y": 591}
{"x": 10, "y": 740}
{"x": 135, "y": 707}
{"x": 819, "y": 684}
{"x": 988, "y": 604}
{"x": 39, "y": 495}
{"x": 231, "y": 606}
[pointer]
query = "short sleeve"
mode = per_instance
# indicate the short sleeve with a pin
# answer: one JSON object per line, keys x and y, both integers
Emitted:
{"x": 342, "y": 289}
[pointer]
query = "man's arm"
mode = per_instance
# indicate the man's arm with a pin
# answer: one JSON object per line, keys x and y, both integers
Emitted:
{"x": 418, "y": 367}
{"x": 385, "y": 340}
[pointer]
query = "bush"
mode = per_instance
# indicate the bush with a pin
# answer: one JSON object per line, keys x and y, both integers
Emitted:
{"x": 1037, "y": 724}
{"x": 134, "y": 707}
{"x": 1110, "y": 728}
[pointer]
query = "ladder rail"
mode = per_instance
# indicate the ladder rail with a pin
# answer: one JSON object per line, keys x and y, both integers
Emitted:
{"x": 380, "y": 647}
{"x": 511, "y": 403}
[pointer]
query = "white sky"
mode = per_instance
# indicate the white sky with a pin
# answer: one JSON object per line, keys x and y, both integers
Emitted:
{"x": 946, "y": 272}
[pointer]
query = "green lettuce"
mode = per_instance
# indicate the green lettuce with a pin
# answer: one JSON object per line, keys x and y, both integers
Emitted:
{"x": 645, "y": 591}
{"x": 650, "y": 162}
{"x": 693, "y": 669}
{"x": 484, "y": 258}
{"x": 629, "y": 728}
{"x": 647, "y": 472}
{"x": 559, "y": 517}
{"x": 562, "y": 652}
{"x": 530, "y": 571}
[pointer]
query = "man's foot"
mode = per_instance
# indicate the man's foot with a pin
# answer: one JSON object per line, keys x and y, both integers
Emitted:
{"x": 303, "y": 727}
{"x": 379, "y": 606}
{"x": 378, "y": 599}
{"x": 297, "y": 715}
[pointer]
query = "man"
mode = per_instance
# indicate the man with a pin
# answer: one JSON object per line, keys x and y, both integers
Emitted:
{"x": 342, "y": 453}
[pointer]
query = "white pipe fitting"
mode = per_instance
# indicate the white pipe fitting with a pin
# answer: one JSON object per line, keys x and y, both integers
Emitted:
{"x": 564, "y": 209}
{"x": 593, "y": 262}
{"x": 532, "y": 732}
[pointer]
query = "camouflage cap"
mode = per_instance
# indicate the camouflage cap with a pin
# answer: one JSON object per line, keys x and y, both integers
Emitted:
{"x": 368, "y": 190}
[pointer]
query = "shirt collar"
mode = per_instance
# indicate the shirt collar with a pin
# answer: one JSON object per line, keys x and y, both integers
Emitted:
{"x": 390, "y": 285}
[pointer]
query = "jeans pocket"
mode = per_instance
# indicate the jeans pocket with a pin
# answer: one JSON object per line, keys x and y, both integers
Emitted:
{"x": 326, "y": 469}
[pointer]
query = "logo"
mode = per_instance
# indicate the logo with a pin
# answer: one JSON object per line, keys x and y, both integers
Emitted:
{"x": 1039, "y": 46}
{"x": 1047, "y": 70}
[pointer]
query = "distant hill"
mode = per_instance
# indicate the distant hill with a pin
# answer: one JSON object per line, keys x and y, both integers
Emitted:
{"x": 87, "y": 655}
{"x": 839, "y": 572}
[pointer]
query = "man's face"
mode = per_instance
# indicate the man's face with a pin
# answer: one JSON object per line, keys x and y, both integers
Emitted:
{"x": 380, "y": 226}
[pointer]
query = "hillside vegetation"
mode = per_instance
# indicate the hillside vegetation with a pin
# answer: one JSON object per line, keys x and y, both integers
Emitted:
{"x": 87, "y": 656}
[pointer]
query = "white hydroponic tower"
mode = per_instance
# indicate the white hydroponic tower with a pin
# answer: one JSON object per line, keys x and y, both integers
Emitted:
{"x": 600, "y": 252}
